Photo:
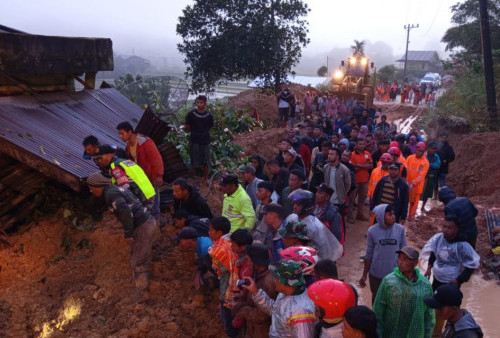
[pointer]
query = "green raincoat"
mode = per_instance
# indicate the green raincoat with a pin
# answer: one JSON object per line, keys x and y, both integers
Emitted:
{"x": 400, "y": 308}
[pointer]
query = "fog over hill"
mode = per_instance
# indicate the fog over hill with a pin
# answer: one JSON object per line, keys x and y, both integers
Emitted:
{"x": 379, "y": 52}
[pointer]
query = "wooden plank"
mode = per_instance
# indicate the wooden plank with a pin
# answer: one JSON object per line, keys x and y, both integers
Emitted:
{"x": 45, "y": 167}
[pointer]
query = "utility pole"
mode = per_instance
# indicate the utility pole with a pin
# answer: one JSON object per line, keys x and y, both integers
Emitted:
{"x": 489, "y": 78}
{"x": 408, "y": 27}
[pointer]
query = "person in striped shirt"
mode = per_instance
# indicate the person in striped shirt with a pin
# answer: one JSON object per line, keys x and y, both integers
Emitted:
{"x": 392, "y": 190}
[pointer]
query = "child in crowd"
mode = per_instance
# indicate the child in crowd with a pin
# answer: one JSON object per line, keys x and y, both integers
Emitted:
{"x": 182, "y": 219}
{"x": 206, "y": 279}
{"x": 240, "y": 239}
{"x": 326, "y": 269}
{"x": 257, "y": 322}
{"x": 224, "y": 263}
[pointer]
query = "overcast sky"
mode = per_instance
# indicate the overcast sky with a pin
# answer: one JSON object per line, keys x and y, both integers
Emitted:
{"x": 147, "y": 27}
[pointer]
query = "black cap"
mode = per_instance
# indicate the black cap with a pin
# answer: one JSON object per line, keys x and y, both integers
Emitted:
{"x": 104, "y": 149}
{"x": 187, "y": 233}
{"x": 229, "y": 179}
{"x": 410, "y": 252}
{"x": 259, "y": 254}
{"x": 299, "y": 173}
{"x": 394, "y": 165}
{"x": 445, "y": 295}
{"x": 326, "y": 188}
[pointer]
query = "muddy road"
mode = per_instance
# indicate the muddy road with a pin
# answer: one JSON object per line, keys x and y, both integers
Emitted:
{"x": 481, "y": 295}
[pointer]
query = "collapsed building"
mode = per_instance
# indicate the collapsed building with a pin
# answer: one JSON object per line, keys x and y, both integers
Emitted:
{"x": 43, "y": 118}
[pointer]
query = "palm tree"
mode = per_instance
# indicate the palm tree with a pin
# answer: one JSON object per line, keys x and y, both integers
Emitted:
{"x": 358, "y": 49}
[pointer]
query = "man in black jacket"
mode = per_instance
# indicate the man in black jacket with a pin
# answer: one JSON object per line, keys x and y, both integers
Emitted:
{"x": 446, "y": 155}
{"x": 465, "y": 212}
{"x": 188, "y": 197}
{"x": 383, "y": 146}
{"x": 394, "y": 191}
{"x": 327, "y": 213}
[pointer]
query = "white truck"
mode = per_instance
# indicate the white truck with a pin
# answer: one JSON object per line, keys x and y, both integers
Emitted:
{"x": 431, "y": 78}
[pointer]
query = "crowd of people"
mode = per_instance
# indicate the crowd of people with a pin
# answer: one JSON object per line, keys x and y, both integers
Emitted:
{"x": 272, "y": 252}
{"x": 423, "y": 94}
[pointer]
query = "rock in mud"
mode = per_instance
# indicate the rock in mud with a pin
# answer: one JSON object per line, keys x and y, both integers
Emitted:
{"x": 172, "y": 326}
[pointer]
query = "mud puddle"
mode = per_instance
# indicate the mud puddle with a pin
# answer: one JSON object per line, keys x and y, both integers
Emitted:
{"x": 480, "y": 295}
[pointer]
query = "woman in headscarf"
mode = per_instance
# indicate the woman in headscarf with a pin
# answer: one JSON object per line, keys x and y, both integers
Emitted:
{"x": 303, "y": 151}
{"x": 363, "y": 131}
{"x": 412, "y": 144}
{"x": 258, "y": 163}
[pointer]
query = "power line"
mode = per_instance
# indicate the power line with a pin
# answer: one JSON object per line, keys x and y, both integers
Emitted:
{"x": 434, "y": 19}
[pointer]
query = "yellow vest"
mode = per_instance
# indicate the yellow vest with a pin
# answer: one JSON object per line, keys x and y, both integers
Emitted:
{"x": 135, "y": 172}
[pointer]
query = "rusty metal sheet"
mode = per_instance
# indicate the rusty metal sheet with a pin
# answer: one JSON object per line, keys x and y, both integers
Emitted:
{"x": 172, "y": 162}
{"x": 50, "y": 128}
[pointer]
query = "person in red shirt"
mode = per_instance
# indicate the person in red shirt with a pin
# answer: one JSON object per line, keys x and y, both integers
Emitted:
{"x": 143, "y": 151}
{"x": 362, "y": 162}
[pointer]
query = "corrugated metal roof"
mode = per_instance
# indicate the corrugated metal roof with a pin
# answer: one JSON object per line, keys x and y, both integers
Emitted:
{"x": 52, "y": 126}
{"x": 419, "y": 55}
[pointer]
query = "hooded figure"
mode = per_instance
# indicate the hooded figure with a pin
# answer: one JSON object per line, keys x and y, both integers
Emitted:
{"x": 304, "y": 152}
{"x": 392, "y": 238}
{"x": 259, "y": 162}
{"x": 446, "y": 195}
{"x": 412, "y": 144}
{"x": 363, "y": 131}
{"x": 345, "y": 142}
{"x": 464, "y": 211}
{"x": 384, "y": 238}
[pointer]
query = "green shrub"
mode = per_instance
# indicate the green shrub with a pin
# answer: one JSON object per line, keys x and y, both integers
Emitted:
{"x": 466, "y": 99}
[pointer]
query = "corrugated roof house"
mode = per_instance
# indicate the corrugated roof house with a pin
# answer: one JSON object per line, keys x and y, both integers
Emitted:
{"x": 43, "y": 120}
{"x": 422, "y": 60}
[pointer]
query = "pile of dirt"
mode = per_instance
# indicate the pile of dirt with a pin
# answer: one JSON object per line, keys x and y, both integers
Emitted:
{"x": 85, "y": 287}
{"x": 265, "y": 104}
{"x": 262, "y": 142}
{"x": 475, "y": 171}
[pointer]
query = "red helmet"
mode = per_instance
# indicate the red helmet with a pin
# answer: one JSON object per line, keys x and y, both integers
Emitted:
{"x": 394, "y": 151}
{"x": 421, "y": 145}
{"x": 333, "y": 296}
{"x": 305, "y": 255}
{"x": 386, "y": 157}
{"x": 394, "y": 144}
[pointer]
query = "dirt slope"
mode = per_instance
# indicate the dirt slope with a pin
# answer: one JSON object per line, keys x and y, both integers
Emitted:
{"x": 266, "y": 104}
{"x": 89, "y": 291}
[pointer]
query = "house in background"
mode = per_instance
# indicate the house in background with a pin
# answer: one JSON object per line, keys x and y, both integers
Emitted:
{"x": 423, "y": 61}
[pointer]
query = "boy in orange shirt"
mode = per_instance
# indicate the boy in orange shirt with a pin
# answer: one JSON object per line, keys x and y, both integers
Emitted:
{"x": 224, "y": 263}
